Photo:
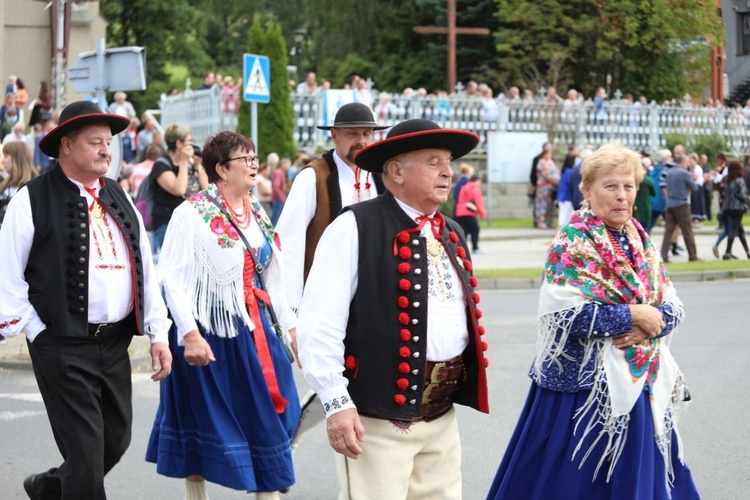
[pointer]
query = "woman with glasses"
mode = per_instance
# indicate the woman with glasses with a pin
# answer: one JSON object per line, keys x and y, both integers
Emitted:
{"x": 229, "y": 410}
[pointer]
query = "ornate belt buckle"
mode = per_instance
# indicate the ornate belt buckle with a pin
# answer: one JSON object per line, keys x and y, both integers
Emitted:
{"x": 436, "y": 372}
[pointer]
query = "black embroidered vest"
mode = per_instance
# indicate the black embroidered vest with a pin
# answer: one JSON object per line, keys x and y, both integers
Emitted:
{"x": 386, "y": 336}
{"x": 58, "y": 266}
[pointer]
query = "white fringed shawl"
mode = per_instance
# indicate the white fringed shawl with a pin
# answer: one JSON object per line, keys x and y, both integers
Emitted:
{"x": 582, "y": 267}
{"x": 201, "y": 265}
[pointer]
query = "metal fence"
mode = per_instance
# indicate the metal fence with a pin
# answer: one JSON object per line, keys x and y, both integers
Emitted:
{"x": 639, "y": 127}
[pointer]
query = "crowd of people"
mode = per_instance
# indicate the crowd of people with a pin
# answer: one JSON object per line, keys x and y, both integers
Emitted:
{"x": 681, "y": 197}
{"x": 345, "y": 263}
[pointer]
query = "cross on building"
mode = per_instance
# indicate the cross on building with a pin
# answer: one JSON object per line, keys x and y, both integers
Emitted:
{"x": 451, "y": 31}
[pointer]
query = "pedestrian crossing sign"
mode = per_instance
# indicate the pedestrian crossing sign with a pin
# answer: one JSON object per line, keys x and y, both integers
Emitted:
{"x": 257, "y": 78}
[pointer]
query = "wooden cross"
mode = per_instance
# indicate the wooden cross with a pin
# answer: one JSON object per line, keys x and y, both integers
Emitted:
{"x": 451, "y": 31}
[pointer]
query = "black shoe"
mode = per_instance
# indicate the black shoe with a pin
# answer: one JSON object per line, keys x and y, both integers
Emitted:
{"x": 28, "y": 486}
{"x": 729, "y": 256}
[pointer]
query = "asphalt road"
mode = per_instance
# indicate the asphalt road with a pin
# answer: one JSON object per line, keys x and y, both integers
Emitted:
{"x": 711, "y": 348}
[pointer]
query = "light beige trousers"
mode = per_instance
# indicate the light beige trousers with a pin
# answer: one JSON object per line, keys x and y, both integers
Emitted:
{"x": 399, "y": 461}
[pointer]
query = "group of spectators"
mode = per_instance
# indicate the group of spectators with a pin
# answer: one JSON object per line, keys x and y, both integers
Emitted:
{"x": 23, "y": 123}
{"x": 683, "y": 197}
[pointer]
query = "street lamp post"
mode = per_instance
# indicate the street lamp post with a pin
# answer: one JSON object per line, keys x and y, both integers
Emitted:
{"x": 299, "y": 37}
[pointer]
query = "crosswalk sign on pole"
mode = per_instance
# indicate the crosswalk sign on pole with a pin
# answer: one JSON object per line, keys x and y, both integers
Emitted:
{"x": 257, "y": 78}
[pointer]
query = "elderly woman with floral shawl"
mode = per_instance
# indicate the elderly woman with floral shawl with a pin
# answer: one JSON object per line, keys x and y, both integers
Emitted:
{"x": 600, "y": 419}
{"x": 229, "y": 411}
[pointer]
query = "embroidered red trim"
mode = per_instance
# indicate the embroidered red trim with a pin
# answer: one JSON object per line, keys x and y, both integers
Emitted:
{"x": 12, "y": 322}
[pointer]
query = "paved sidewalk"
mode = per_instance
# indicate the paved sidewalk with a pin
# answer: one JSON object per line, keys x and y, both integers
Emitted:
{"x": 500, "y": 249}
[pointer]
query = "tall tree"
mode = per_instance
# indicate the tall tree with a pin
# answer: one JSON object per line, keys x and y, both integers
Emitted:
{"x": 582, "y": 42}
{"x": 275, "y": 119}
{"x": 170, "y": 30}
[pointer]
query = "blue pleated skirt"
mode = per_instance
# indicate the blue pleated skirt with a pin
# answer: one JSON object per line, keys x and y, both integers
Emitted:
{"x": 219, "y": 421}
{"x": 539, "y": 462}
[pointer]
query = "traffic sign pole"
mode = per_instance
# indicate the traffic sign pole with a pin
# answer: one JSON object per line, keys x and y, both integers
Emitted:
{"x": 257, "y": 82}
{"x": 254, "y": 124}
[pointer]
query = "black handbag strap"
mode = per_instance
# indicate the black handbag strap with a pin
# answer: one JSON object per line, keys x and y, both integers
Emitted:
{"x": 259, "y": 269}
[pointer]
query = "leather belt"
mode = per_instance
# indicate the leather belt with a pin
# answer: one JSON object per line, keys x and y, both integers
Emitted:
{"x": 441, "y": 381}
{"x": 107, "y": 329}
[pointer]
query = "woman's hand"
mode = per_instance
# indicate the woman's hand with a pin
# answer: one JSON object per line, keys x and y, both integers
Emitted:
{"x": 648, "y": 318}
{"x": 630, "y": 339}
{"x": 197, "y": 350}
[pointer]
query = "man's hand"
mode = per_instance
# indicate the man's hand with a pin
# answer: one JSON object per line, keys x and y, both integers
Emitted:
{"x": 344, "y": 431}
{"x": 293, "y": 335}
{"x": 161, "y": 360}
{"x": 197, "y": 350}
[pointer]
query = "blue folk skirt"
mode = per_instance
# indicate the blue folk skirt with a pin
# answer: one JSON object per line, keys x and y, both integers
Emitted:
{"x": 539, "y": 462}
{"x": 219, "y": 421}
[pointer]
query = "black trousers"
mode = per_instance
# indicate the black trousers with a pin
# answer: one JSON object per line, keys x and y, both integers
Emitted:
{"x": 734, "y": 220}
{"x": 86, "y": 387}
{"x": 470, "y": 225}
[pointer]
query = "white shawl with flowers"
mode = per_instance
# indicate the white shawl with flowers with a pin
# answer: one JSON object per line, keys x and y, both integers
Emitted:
{"x": 583, "y": 265}
{"x": 201, "y": 266}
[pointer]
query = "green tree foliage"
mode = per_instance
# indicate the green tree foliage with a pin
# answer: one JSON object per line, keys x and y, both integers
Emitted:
{"x": 658, "y": 48}
{"x": 637, "y": 42}
{"x": 709, "y": 145}
{"x": 170, "y": 30}
{"x": 275, "y": 119}
{"x": 382, "y": 33}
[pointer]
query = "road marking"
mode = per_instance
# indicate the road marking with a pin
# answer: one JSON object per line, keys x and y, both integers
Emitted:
{"x": 22, "y": 396}
{"x": 7, "y": 416}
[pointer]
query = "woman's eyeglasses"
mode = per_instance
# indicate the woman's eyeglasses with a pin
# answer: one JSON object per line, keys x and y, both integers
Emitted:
{"x": 249, "y": 159}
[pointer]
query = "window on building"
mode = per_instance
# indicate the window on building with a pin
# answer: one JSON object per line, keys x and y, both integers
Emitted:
{"x": 744, "y": 38}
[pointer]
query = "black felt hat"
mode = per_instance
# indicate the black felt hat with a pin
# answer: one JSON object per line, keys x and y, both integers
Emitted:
{"x": 413, "y": 135}
{"x": 354, "y": 115}
{"x": 74, "y": 116}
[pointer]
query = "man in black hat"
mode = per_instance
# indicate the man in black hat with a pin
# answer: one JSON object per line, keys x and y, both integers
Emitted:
{"x": 78, "y": 280}
{"x": 388, "y": 325}
{"x": 318, "y": 194}
{"x": 321, "y": 190}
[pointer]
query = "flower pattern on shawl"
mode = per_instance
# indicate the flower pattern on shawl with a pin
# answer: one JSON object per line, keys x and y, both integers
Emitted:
{"x": 584, "y": 257}
{"x": 644, "y": 357}
{"x": 226, "y": 234}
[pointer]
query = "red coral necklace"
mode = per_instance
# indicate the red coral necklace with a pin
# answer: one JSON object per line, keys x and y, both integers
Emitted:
{"x": 241, "y": 217}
